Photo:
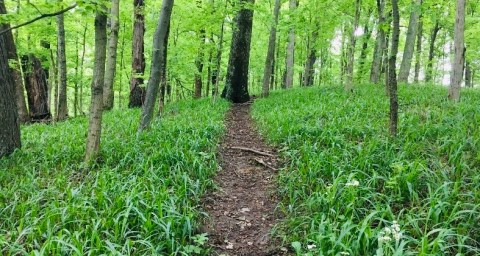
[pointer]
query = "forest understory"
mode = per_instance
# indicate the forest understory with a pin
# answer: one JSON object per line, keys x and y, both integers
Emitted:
{"x": 239, "y": 127}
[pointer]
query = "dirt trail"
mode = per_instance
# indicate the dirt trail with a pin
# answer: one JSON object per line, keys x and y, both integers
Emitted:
{"x": 242, "y": 210}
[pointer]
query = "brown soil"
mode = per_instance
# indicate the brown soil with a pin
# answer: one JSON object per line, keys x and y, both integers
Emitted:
{"x": 242, "y": 210}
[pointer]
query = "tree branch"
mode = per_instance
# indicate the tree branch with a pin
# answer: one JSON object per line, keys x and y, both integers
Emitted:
{"x": 39, "y": 18}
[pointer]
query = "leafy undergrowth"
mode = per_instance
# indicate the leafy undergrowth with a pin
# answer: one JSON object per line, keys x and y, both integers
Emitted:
{"x": 140, "y": 200}
{"x": 350, "y": 189}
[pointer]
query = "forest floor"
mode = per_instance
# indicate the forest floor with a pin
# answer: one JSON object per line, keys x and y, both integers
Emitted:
{"x": 242, "y": 210}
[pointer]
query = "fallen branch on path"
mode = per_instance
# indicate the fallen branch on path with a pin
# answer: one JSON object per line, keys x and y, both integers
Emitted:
{"x": 253, "y": 151}
{"x": 261, "y": 162}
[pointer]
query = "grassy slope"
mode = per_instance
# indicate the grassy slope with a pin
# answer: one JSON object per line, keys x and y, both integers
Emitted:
{"x": 428, "y": 179}
{"x": 142, "y": 199}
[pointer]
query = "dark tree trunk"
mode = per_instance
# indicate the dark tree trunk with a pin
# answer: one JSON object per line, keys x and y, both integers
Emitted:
{"x": 160, "y": 40}
{"x": 269, "y": 65}
{"x": 37, "y": 89}
{"x": 15, "y": 70}
{"x": 96, "y": 104}
{"x": 236, "y": 87}
{"x": 392, "y": 76}
{"x": 137, "y": 91}
{"x": 419, "y": 50}
{"x": 10, "y": 128}
{"x": 199, "y": 65}
{"x": 468, "y": 74}
{"x": 62, "y": 111}
{"x": 309, "y": 69}
{"x": 431, "y": 52}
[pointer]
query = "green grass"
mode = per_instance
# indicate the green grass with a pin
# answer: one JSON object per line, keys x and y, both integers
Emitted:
{"x": 427, "y": 180}
{"x": 142, "y": 199}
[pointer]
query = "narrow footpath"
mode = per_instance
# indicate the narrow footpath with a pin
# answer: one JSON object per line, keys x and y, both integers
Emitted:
{"x": 242, "y": 211}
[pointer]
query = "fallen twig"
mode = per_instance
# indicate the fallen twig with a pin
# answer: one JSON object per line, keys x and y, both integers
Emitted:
{"x": 260, "y": 161}
{"x": 253, "y": 151}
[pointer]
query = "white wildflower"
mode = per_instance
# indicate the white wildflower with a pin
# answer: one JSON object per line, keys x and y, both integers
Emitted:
{"x": 344, "y": 253}
{"x": 384, "y": 239}
{"x": 388, "y": 231}
{"x": 311, "y": 246}
{"x": 353, "y": 183}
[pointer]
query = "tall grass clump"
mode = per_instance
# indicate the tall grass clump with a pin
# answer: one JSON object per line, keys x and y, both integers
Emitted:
{"x": 348, "y": 188}
{"x": 140, "y": 199}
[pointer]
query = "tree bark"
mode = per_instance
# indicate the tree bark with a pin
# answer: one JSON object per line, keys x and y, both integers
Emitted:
{"x": 111, "y": 69}
{"x": 392, "y": 76}
{"x": 37, "y": 89}
{"x": 159, "y": 44}
{"x": 376, "y": 69}
{"x": 15, "y": 70}
{"x": 468, "y": 74}
{"x": 431, "y": 52}
{"x": 137, "y": 91}
{"x": 236, "y": 87}
{"x": 457, "y": 65}
{"x": 410, "y": 42}
{"x": 199, "y": 65}
{"x": 62, "y": 110}
{"x": 10, "y": 127}
{"x": 267, "y": 74}
{"x": 351, "y": 49}
{"x": 96, "y": 105}
{"x": 418, "y": 56}
{"x": 290, "y": 60}
{"x": 309, "y": 72}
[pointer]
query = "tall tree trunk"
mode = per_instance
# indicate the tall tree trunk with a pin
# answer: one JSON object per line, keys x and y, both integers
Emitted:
{"x": 37, "y": 89}
{"x": 15, "y": 70}
{"x": 351, "y": 49}
{"x": 457, "y": 65}
{"x": 62, "y": 111}
{"x": 96, "y": 105}
{"x": 376, "y": 69}
{"x": 392, "y": 76}
{"x": 236, "y": 86}
{"x": 431, "y": 52}
{"x": 410, "y": 42}
{"x": 267, "y": 74}
{"x": 160, "y": 40}
{"x": 111, "y": 69}
{"x": 10, "y": 128}
{"x": 290, "y": 60}
{"x": 418, "y": 56}
{"x": 137, "y": 91}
